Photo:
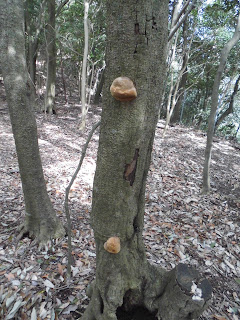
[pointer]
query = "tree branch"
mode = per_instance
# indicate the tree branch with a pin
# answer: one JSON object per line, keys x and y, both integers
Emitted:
{"x": 69, "y": 231}
{"x": 230, "y": 106}
{"x": 178, "y": 25}
{"x": 62, "y": 4}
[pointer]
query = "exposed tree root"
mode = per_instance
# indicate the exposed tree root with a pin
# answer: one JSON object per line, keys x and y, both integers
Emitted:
{"x": 22, "y": 230}
{"x": 180, "y": 294}
{"x": 41, "y": 235}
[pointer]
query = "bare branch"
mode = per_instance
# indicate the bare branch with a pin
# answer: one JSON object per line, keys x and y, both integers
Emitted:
{"x": 182, "y": 11}
{"x": 69, "y": 231}
{"x": 62, "y": 4}
{"x": 178, "y": 25}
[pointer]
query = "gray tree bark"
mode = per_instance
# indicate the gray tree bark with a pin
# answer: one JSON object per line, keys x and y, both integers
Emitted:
{"x": 51, "y": 59}
{"x": 136, "y": 48}
{"x": 214, "y": 103}
{"x": 41, "y": 221}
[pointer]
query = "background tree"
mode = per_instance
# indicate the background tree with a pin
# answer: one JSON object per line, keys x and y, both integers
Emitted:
{"x": 84, "y": 107}
{"x": 71, "y": 40}
{"x": 34, "y": 13}
{"x": 51, "y": 51}
{"x": 178, "y": 56}
{"x": 41, "y": 221}
{"x": 214, "y": 104}
{"x": 51, "y": 58}
{"x": 136, "y": 38}
{"x": 214, "y": 20}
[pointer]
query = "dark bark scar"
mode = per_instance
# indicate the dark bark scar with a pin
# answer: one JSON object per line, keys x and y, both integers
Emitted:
{"x": 137, "y": 31}
{"x": 130, "y": 169}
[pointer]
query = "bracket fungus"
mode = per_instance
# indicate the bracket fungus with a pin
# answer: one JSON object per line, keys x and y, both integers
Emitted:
{"x": 123, "y": 89}
{"x": 112, "y": 245}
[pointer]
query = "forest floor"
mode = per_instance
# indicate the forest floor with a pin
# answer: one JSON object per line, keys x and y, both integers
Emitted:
{"x": 181, "y": 225}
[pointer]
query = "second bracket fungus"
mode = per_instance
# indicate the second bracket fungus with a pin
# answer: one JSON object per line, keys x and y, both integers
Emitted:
{"x": 112, "y": 245}
{"x": 123, "y": 89}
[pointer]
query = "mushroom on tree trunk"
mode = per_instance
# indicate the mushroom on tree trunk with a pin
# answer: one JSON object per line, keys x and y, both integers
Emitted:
{"x": 126, "y": 281}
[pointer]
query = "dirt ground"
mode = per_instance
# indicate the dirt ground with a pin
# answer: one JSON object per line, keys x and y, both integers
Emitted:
{"x": 181, "y": 225}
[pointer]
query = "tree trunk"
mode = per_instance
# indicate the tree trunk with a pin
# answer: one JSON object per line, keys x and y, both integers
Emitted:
{"x": 99, "y": 88}
{"x": 171, "y": 90}
{"x": 206, "y": 96}
{"x": 183, "y": 74}
{"x": 63, "y": 77}
{"x": 214, "y": 103}
{"x": 41, "y": 221}
{"x": 136, "y": 38}
{"x": 84, "y": 107}
{"x": 32, "y": 61}
{"x": 177, "y": 109}
{"x": 51, "y": 59}
{"x": 33, "y": 31}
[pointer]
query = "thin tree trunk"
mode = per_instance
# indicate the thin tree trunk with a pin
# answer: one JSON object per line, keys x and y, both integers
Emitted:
{"x": 207, "y": 94}
{"x": 214, "y": 103}
{"x": 170, "y": 94}
{"x": 63, "y": 78}
{"x": 136, "y": 38}
{"x": 182, "y": 108}
{"x": 183, "y": 74}
{"x": 174, "y": 94}
{"x": 33, "y": 37}
{"x": 90, "y": 84}
{"x": 99, "y": 88}
{"x": 41, "y": 221}
{"x": 181, "y": 91}
{"x": 51, "y": 60}
{"x": 84, "y": 67}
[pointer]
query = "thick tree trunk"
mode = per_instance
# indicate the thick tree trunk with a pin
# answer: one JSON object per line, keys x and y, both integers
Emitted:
{"x": 136, "y": 38}
{"x": 214, "y": 103}
{"x": 41, "y": 221}
{"x": 51, "y": 59}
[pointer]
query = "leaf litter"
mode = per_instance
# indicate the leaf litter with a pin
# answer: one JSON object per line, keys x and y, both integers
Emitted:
{"x": 181, "y": 224}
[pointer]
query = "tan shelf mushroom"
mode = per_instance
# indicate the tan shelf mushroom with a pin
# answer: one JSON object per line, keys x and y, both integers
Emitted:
{"x": 123, "y": 89}
{"x": 112, "y": 245}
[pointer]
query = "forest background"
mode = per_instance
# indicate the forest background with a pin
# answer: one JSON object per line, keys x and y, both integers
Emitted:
{"x": 64, "y": 83}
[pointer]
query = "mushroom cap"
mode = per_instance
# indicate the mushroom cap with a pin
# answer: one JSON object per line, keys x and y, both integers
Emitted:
{"x": 123, "y": 89}
{"x": 112, "y": 245}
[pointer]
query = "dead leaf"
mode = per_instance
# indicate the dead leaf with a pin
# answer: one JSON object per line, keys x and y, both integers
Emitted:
{"x": 215, "y": 316}
{"x": 10, "y": 276}
{"x": 60, "y": 269}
